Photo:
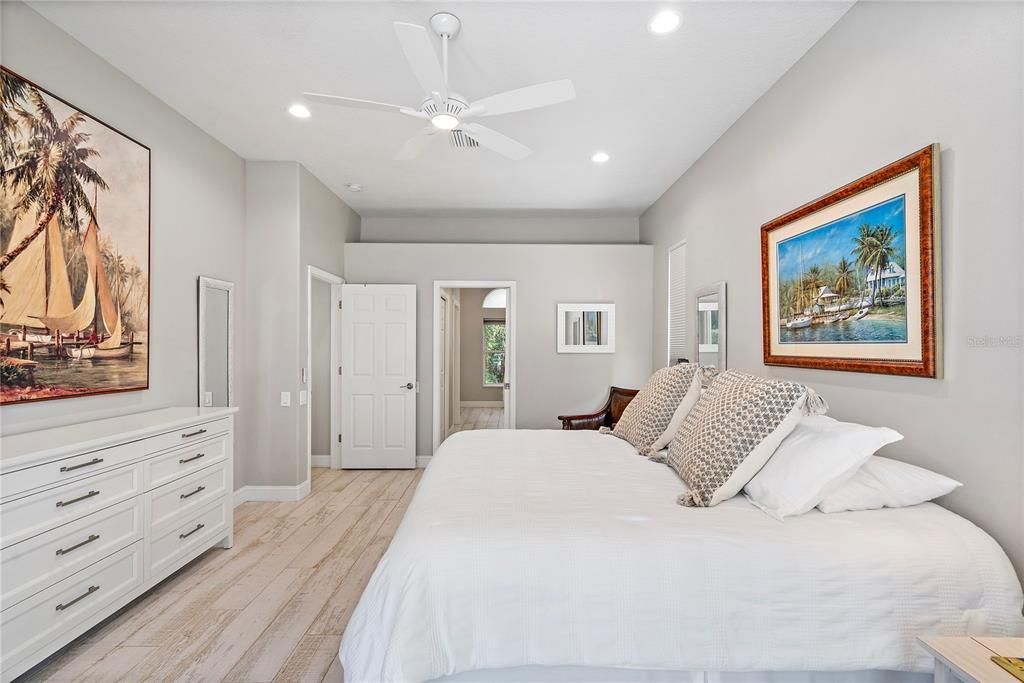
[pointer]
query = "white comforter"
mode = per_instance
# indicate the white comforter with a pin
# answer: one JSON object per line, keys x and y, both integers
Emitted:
{"x": 567, "y": 548}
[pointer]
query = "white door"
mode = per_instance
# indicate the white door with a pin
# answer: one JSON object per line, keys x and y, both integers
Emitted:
{"x": 378, "y": 376}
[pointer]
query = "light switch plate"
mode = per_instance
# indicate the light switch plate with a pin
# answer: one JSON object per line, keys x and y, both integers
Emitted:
{"x": 286, "y": 398}
{"x": 207, "y": 398}
{"x": 303, "y": 397}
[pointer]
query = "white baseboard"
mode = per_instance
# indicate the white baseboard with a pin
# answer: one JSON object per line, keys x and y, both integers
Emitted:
{"x": 422, "y": 461}
{"x": 320, "y": 460}
{"x": 482, "y": 404}
{"x": 272, "y": 493}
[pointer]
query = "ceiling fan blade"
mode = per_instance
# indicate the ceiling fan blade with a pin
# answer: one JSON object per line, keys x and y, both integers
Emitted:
{"x": 419, "y": 51}
{"x": 493, "y": 140}
{"x": 415, "y": 145}
{"x": 351, "y": 102}
{"x": 521, "y": 99}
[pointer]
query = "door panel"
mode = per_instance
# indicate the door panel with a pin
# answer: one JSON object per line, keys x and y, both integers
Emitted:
{"x": 378, "y": 375}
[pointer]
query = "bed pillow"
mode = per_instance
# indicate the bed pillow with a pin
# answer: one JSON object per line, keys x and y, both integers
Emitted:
{"x": 647, "y": 417}
{"x": 813, "y": 461}
{"x": 735, "y": 427}
{"x": 702, "y": 379}
{"x": 883, "y": 482}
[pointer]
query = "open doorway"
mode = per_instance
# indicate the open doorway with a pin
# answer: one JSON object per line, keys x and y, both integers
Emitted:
{"x": 474, "y": 357}
{"x": 323, "y": 292}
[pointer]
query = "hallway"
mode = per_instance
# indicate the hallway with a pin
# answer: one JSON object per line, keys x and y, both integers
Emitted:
{"x": 480, "y": 418}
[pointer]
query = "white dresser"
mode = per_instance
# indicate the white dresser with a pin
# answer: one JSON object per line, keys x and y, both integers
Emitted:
{"x": 93, "y": 515}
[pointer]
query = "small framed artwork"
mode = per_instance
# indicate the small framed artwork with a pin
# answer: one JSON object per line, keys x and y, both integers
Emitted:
{"x": 586, "y": 328}
{"x": 850, "y": 281}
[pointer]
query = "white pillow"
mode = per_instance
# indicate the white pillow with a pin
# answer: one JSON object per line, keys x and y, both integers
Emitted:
{"x": 815, "y": 459}
{"x": 883, "y": 482}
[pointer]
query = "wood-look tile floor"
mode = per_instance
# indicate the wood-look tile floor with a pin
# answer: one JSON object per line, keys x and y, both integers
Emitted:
{"x": 272, "y": 608}
{"x": 479, "y": 418}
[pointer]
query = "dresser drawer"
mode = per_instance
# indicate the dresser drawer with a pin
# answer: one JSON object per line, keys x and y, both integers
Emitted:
{"x": 33, "y": 514}
{"x": 167, "y": 467}
{"x": 30, "y": 566}
{"x": 36, "y": 622}
{"x": 178, "y": 541}
{"x": 18, "y": 483}
{"x": 188, "y": 435}
{"x": 14, "y": 484}
{"x": 173, "y": 502}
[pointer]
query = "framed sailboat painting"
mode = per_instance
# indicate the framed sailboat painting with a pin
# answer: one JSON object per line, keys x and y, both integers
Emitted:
{"x": 74, "y": 250}
{"x": 850, "y": 280}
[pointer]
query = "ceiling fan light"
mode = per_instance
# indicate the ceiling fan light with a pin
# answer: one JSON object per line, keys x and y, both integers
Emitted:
{"x": 665, "y": 21}
{"x": 444, "y": 121}
{"x": 299, "y": 111}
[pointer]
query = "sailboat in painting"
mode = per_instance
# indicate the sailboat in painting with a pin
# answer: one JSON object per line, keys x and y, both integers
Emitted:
{"x": 43, "y": 305}
{"x": 98, "y": 304}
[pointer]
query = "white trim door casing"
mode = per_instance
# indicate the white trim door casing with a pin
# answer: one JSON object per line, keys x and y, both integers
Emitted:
{"x": 509, "y": 420}
{"x": 336, "y": 409}
{"x": 378, "y": 376}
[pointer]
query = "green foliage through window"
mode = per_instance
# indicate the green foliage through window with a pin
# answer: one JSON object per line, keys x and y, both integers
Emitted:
{"x": 494, "y": 352}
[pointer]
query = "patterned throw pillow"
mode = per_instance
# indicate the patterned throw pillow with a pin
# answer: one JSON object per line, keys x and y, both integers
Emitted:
{"x": 729, "y": 435}
{"x": 649, "y": 414}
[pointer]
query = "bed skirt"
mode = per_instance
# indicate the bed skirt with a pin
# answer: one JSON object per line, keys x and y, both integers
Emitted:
{"x": 581, "y": 674}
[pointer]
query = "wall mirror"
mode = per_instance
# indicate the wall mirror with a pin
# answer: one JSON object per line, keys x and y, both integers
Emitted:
{"x": 216, "y": 339}
{"x": 710, "y": 334}
{"x": 586, "y": 328}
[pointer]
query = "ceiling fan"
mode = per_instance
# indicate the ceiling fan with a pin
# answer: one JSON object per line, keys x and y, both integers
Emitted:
{"x": 447, "y": 111}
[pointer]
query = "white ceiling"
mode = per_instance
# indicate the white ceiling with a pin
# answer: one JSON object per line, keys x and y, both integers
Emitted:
{"x": 655, "y": 104}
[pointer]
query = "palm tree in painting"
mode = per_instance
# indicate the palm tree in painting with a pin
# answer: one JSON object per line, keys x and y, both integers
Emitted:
{"x": 50, "y": 169}
{"x": 787, "y": 300}
{"x": 844, "y": 276}
{"x": 12, "y": 91}
{"x": 874, "y": 251}
{"x": 814, "y": 280}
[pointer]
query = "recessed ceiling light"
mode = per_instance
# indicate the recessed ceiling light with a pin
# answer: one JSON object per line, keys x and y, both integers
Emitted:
{"x": 299, "y": 111}
{"x": 354, "y": 187}
{"x": 600, "y": 157}
{"x": 444, "y": 121}
{"x": 664, "y": 22}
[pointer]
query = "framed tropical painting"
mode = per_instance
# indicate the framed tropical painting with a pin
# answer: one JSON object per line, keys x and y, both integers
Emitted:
{"x": 74, "y": 250}
{"x": 850, "y": 281}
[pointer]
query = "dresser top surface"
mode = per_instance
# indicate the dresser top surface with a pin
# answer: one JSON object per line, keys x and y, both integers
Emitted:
{"x": 26, "y": 448}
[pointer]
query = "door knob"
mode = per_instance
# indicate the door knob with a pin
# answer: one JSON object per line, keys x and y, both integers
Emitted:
{"x": 407, "y": 386}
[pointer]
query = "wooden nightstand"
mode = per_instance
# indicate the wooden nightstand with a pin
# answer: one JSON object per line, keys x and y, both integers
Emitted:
{"x": 969, "y": 660}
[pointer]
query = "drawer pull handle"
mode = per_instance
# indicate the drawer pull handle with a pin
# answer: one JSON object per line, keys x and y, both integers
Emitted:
{"x": 189, "y": 435}
{"x": 65, "y": 551}
{"x": 194, "y": 457}
{"x": 189, "y": 495}
{"x": 186, "y": 535}
{"x": 65, "y": 503}
{"x": 90, "y": 591}
{"x": 69, "y": 468}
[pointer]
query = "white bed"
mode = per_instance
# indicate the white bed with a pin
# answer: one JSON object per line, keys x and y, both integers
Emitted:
{"x": 564, "y": 552}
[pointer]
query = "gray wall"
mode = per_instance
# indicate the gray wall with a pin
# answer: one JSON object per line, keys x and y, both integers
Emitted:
{"x": 545, "y": 275}
{"x": 269, "y": 337}
{"x": 887, "y": 80}
{"x": 292, "y": 221}
{"x": 523, "y": 227}
{"x": 471, "y": 348}
{"x": 196, "y": 223}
